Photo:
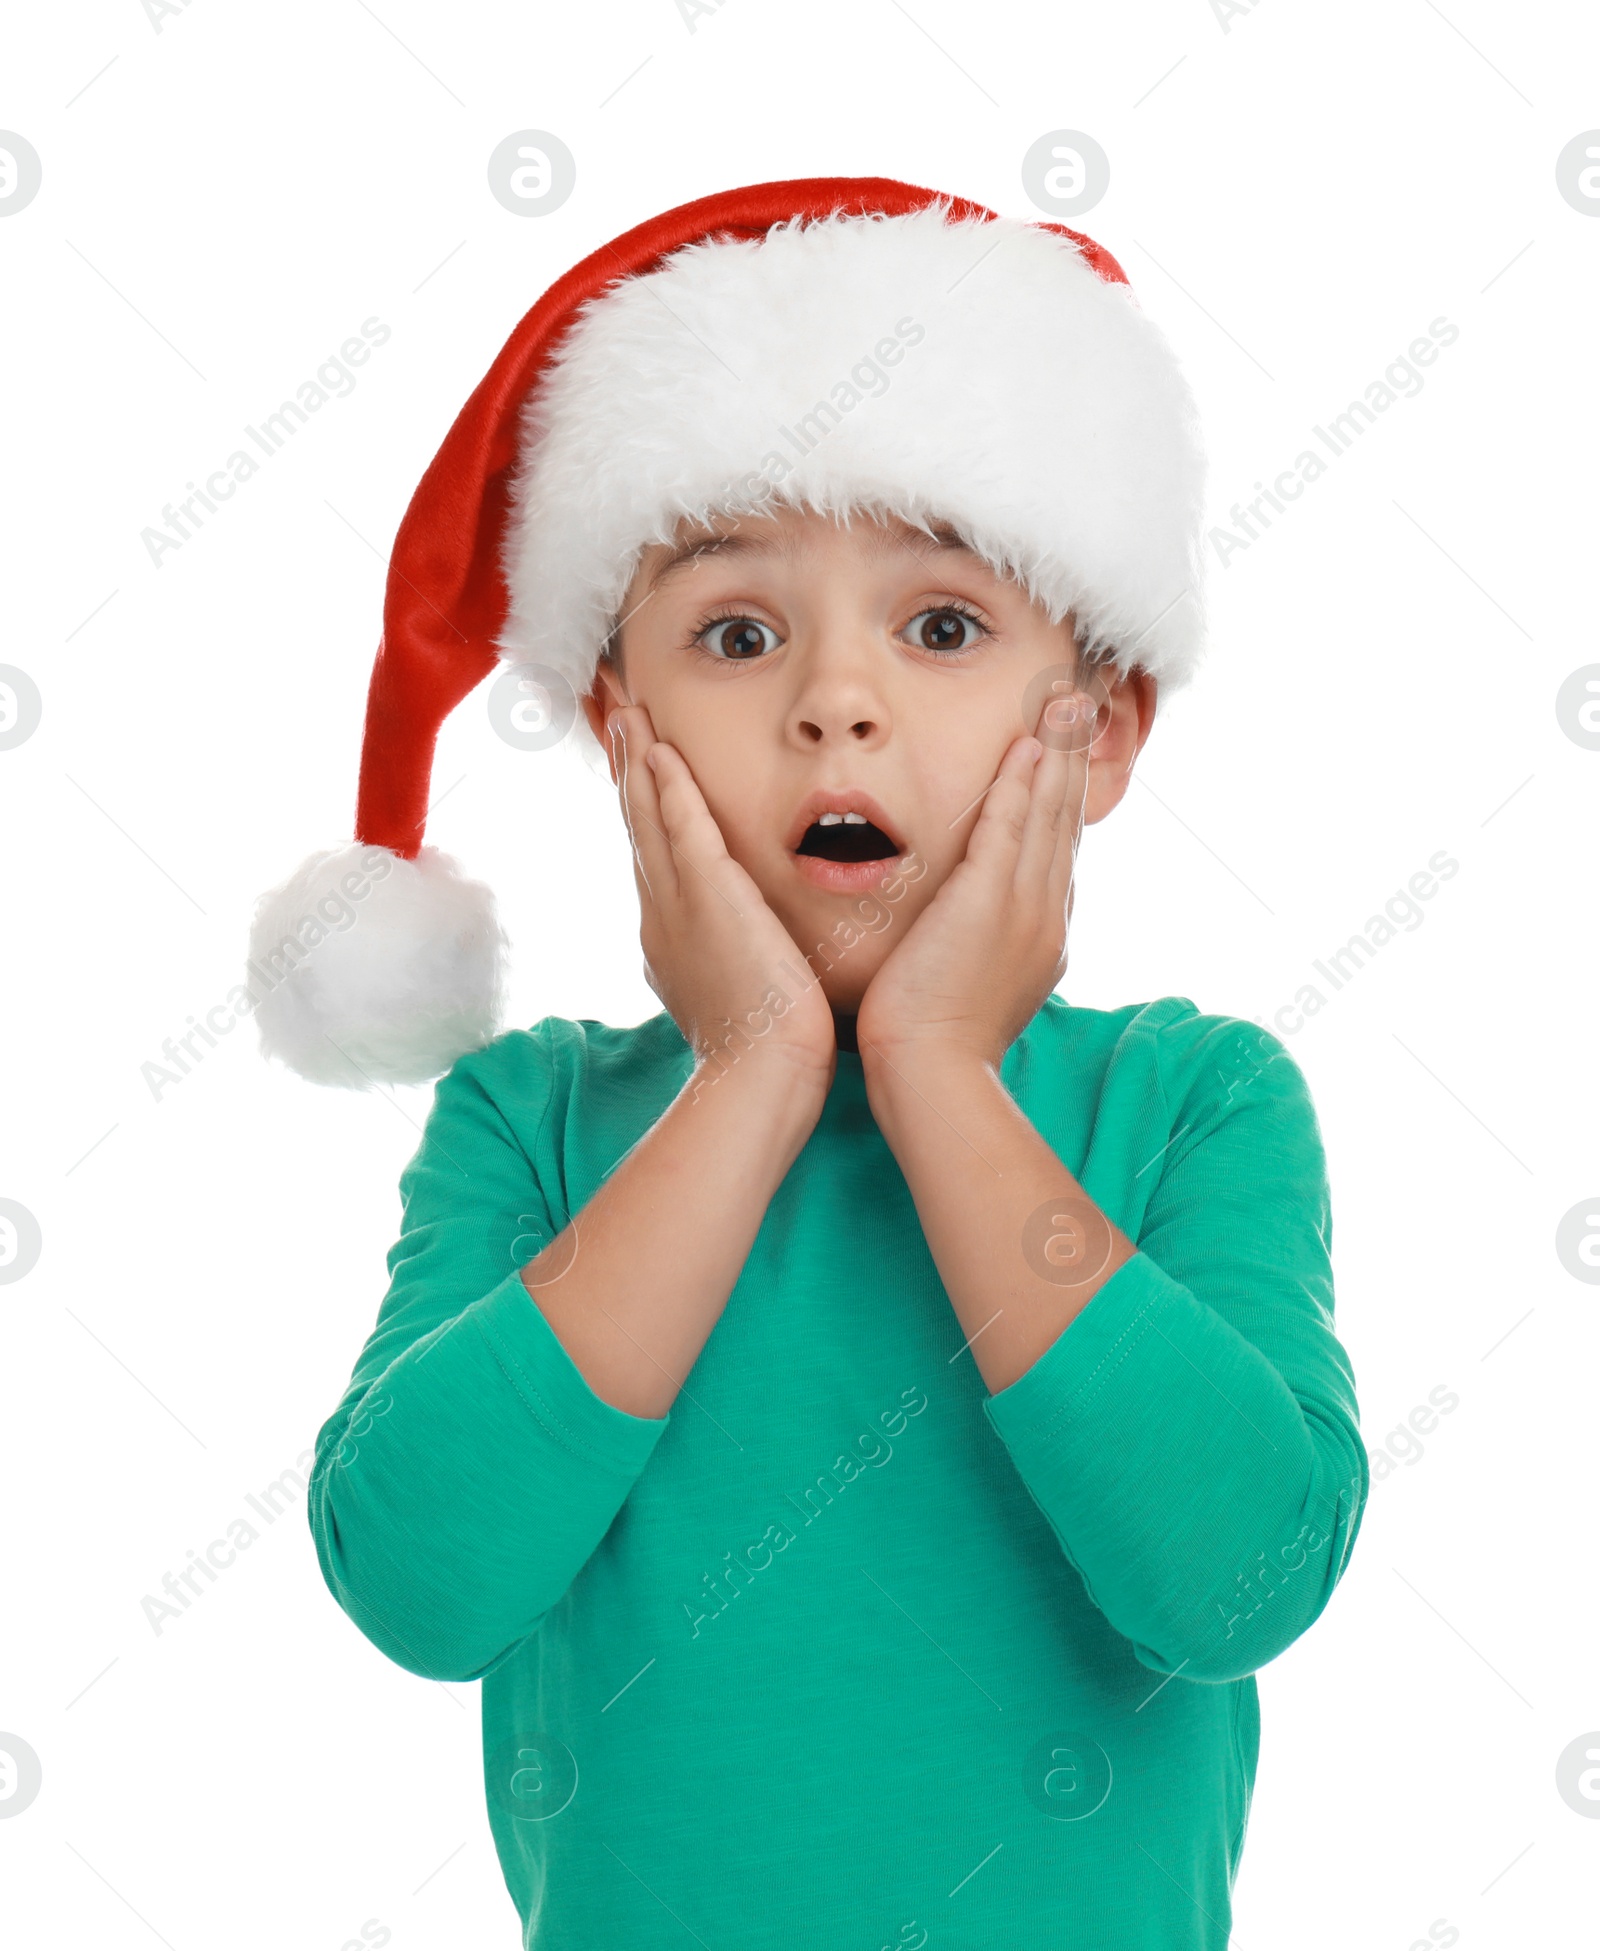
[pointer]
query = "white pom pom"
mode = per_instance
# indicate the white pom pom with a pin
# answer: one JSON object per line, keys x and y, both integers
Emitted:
{"x": 368, "y": 968}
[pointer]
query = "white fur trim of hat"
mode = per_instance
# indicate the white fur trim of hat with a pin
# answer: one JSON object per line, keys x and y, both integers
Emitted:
{"x": 975, "y": 373}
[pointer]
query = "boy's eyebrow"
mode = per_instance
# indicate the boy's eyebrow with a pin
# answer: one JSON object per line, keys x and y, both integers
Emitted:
{"x": 689, "y": 552}
{"x": 942, "y": 537}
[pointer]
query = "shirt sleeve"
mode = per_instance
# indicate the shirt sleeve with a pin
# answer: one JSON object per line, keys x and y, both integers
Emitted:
{"x": 1192, "y": 1437}
{"x": 469, "y": 1471}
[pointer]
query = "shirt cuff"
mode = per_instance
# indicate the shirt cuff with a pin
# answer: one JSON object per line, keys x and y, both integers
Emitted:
{"x": 555, "y": 1391}
{"x": 1086, "y": 1354}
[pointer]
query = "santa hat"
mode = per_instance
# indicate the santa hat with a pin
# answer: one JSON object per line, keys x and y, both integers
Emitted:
{"x": 836, "y": 343}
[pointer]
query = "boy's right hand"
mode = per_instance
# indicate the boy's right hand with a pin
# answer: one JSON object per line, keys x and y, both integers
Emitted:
{"x": 712, "y": 946}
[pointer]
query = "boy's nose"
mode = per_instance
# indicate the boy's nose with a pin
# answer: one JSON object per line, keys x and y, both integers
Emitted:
{"x": 838, "y": 703}
{"x": 819, "y": 727}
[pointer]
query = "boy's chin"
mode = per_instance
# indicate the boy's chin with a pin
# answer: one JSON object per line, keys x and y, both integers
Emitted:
{"x": 846, "y": 939}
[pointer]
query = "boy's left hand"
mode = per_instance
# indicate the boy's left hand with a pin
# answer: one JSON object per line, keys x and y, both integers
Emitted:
{"x": 975, "y": 966}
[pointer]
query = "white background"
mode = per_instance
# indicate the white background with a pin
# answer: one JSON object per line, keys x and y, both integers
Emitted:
{"x": 1295, "y": 196}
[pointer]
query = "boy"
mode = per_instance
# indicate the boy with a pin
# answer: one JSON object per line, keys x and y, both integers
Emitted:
{"x": 867, "y": 1424}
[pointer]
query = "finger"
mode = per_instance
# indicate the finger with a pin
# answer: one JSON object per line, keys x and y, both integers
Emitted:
{"x": 1060, "y": 782}
{"x": 616, "y": 743}
{"x": 698, "y": 848}
{"x": 1061, "y": 875}
{"x": 1052, "y": 871}
{"x": 997, "y": 838}
{"x": 1047, "y": 806}
{"x": 632, "y": 736}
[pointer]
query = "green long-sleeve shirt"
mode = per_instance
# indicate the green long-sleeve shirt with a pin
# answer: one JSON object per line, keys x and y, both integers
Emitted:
{"x": 845, "y": 1652}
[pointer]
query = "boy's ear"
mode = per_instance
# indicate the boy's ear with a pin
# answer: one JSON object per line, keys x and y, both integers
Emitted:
{"x": 599, "y": 701}
{"x": 1131, "y": 701}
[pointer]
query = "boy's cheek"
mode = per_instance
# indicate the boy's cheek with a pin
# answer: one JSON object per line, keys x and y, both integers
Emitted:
{"x": 912, "y": 868}
{"x": 729, "y": 800}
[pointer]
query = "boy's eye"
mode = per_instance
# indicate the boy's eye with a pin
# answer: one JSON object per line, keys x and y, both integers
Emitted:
{"x": 943, "y": 629}
{"x": 738, "y": 638}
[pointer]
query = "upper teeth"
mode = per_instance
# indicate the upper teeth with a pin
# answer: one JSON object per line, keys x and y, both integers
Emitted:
{"x": 850, "y": 819}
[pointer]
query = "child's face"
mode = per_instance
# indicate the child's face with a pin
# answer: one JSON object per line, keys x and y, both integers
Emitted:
{"x": 794, "y": 660}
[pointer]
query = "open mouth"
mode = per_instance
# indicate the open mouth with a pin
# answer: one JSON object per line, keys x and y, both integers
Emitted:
{"x": 840, "y": 841}
{"x": 846, "y": 837}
